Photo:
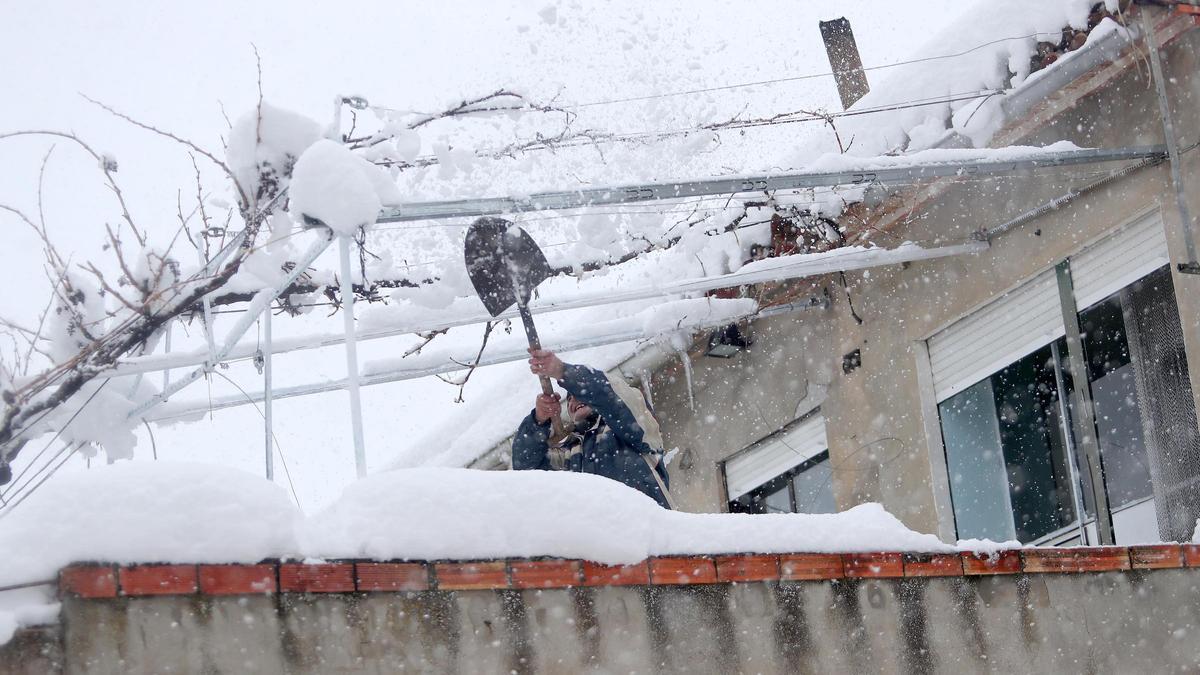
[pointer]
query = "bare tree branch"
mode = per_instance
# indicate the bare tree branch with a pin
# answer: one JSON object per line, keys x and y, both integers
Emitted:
{"x": 426, "y": 338}
{"x": 462, "y": 383}
{"x": 166, "y": 134}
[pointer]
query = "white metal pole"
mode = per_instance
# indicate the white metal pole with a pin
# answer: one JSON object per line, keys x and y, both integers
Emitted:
{"x": 206, "y": 303}
{"x": 268, "y": 430}
{"x": 360, "y": 453}
{"x": 1186, "y": 224}
{"x": 167, "y": 350}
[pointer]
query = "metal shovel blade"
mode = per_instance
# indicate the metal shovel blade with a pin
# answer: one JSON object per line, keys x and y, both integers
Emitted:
{"x": 503, "y": 261}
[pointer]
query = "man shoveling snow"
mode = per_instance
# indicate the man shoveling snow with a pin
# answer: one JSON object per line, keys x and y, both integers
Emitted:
{"x": 606, "y": 436}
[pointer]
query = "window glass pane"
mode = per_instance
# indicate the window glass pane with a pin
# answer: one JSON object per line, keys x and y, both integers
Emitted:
{"x": 813, "y": 485}
{"x": 1026, "y": 397}
{"x": 1114, "y": 394}
{"x": 774, "y": 496}
{"x": 779, "y": 501}
{"x": 975, "y": 459}
{"x": 1007, "y": 455}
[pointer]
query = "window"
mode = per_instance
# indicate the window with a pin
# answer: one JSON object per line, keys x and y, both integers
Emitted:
{"x": 1119, "y": 423}
{"x": 807, "y": 488}
{"x": 1168, "y": 440}
{"x": 1011, "y": 452}
{"x": 1007, "y": 454}
{"x": 788, "y": 471}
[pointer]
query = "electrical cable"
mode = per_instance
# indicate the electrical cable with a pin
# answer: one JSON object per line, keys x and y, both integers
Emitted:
{"x": 13, "y": 489}
{"x": 278, "y": 448}
{"x": 776, "y": 120}
{"x": 809, "y": 76}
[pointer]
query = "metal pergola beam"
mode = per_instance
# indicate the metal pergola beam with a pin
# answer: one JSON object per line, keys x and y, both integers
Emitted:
{"x": 870, "y": 172}
{"x": 1015, "y": 161}
{"x": 183, "y": 411}
{"x": 1023, "y": 161}
{"x": 790, "y": 267}
{"x": 776, "y": 269}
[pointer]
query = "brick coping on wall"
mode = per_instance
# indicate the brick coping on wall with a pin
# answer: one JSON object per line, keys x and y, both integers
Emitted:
{"x": 97, "y": 580}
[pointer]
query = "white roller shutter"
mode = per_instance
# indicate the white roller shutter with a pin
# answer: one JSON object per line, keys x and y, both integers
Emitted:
{"x": 775, "y": 455}
{"x": 1029, "y": 317}
{"x": 1119, "y": 260}
{"x": 1017, "y": 323}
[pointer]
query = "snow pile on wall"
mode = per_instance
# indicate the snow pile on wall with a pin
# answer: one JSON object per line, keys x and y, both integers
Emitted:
{"x": 442, "y": 513}
{"x": 164, "y": 512}
{"x": 133, "y": 512}
{"x": 146, "y": 512}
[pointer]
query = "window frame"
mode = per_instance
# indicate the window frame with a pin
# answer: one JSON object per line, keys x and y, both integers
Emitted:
{"x": 1080, "y": 444}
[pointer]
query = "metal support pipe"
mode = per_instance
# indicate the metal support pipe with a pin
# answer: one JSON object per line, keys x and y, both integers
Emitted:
{"x": 268, "y": 429}
{"x": 790, "y": 267}
{"x": 167, "y": 350}
{"x": 1186, "y": 224}
{"x": 1064, "y": 418}
{"x": 207, "y": 315}
{"x": 490, "y": 358}
{"x": 260, "y": 302}
{"x": 360, "y": 453}
{"x": 986, "y": 163}
{"x": 1068, "y": 197}
{"x": 1083, "y": 412}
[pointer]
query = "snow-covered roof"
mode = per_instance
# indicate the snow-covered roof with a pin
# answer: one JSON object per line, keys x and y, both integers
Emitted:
{"x": 994, "y": 49}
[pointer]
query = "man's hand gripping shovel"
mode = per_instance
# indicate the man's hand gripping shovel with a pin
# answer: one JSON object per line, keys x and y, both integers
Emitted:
{"x": 505, "y": 265}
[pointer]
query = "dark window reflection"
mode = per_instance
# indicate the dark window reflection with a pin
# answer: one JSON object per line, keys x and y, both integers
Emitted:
{"x": 1114, "y": 394}
{"x": 1009, "y": 427}
{"x": 806, "y": 489}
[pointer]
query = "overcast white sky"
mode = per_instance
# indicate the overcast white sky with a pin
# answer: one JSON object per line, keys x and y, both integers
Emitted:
{"x": 174, "y": 64}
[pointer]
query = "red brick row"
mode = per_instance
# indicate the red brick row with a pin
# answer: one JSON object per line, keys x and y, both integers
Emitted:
{"x": 108, "y": 581}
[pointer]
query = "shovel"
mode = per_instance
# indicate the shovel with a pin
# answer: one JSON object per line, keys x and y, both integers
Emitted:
{"x": 505, "y": 265}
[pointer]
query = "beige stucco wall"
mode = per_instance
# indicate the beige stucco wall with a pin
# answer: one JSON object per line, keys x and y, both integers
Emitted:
{"x": 879, "y": 433}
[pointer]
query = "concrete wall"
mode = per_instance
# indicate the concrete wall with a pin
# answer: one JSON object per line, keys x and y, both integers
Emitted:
{"x": 1140, "y": 621}
{"x": 878, "y": 424}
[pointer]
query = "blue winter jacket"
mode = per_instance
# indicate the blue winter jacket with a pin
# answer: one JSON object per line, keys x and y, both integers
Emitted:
{"x": 612, "y": 449}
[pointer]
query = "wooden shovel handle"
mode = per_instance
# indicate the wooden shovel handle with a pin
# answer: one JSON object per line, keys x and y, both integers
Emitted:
{"x": 556, "y": 427}
{"x": 557, "y": 434}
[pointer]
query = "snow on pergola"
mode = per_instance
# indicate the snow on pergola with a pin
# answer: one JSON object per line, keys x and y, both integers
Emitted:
{"x": 686, "y": 316}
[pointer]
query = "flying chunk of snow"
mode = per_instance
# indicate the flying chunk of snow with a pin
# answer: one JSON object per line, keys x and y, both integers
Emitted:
{"x": 339, "y": 188}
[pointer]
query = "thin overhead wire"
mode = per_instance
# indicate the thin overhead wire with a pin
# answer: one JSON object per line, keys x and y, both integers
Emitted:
{"x": 8, "y": 494}
{"x": 779, "y": 119}
{"x": 274, "y": 438}
{"x": 808, "y": 76}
